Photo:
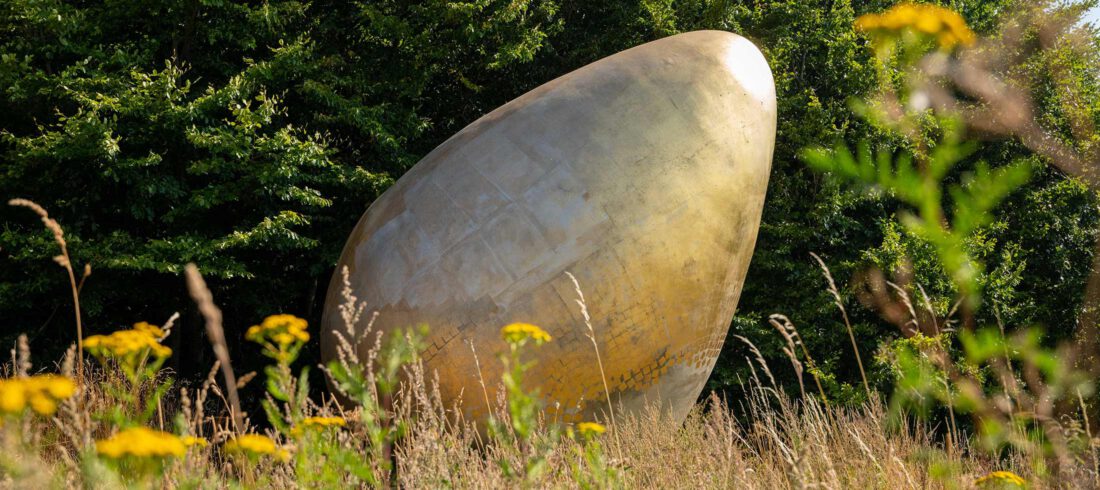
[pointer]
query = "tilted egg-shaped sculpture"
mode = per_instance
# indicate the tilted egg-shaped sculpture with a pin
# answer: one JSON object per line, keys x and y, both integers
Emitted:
{"x": 643, "y": 174}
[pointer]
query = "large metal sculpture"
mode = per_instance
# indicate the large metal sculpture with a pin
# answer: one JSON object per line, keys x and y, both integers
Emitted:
{"x": 643, "y": 174}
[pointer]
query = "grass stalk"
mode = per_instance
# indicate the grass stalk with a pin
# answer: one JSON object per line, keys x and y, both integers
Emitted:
{"x": 848, "y": 324}
{"x": 64, "y": 261}
{"x": 213, "y": 315}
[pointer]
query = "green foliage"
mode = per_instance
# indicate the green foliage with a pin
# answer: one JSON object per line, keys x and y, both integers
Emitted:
{"x": 372, "y": 388}
{"x": 249, "y": 137}
{"x": 244, "y": 137}
{"x": 907, "y": 362}
{"x": 952, "y": 233}
{"x": 1009, "y": 385}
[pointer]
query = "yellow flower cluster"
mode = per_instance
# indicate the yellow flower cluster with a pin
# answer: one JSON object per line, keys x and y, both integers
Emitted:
{"x": 150, "y": 329}
{"x": 317, "y": 423}
{"x": 42, "y": 393}
{"x": 192, "y": 441}
{"x": 141, "y": 442}
{"x": 283, "y": 330}
{"x": 256, "y": 445}
{"x": 1002, "y": 479}
{"x": 948, "y": 27}
{"x": 589, "y": 429}
{"x": 324, "y": 422}
{"x": 518, "y": 332}
{"x": 129, "y": 345}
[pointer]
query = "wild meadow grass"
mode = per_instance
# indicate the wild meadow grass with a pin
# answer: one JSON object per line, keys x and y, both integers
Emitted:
{"x": 121, "y": 422}
{"x": 970, "y": 407}
{"x": 114, "y": 431}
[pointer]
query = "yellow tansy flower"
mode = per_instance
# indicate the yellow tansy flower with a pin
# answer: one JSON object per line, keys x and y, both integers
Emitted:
{"x": 1001, "y": 479}
{"x": 282, "y": 329}
{"x": 42, "y": 393}
{"x": 589, "y": 429}
{"x": 42, "y": 404}
{"x": 281, "y": 455}
{"x": 281, "y": 335}
{"x": 128, "y": 343}
{"x": 191, "y": 441}
{"x": 132, "y": 349}
{"x": 945, "y": 25}
{"x": 254, "y": 445}
{"x": 149, "y": 328}
{"x": 141, "y": 442}
{"x": 317, "y": 423}
{"x": 518, "y": 332}
{"x": 13, "y": 396}
{"x": 93, "y": 342}
{"x": 251, "y": 443}
{"x": 324, "y": 422}
{"x": 59, "y": 387}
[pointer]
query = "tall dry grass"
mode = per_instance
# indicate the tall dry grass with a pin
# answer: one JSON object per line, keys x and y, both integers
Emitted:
{"x": 776, "y": 442}
{"x": 407, "y": 437}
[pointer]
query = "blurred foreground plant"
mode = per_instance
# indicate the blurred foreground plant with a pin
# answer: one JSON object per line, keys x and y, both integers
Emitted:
{"x": 1015, "y": 388}
{"x": 40, "y": 393}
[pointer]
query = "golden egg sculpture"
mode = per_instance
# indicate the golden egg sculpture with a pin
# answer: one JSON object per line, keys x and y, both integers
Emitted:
{"x": 643, "y": 174}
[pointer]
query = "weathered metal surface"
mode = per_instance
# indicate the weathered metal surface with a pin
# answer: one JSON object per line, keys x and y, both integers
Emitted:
{"x": 643, "y": 174}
